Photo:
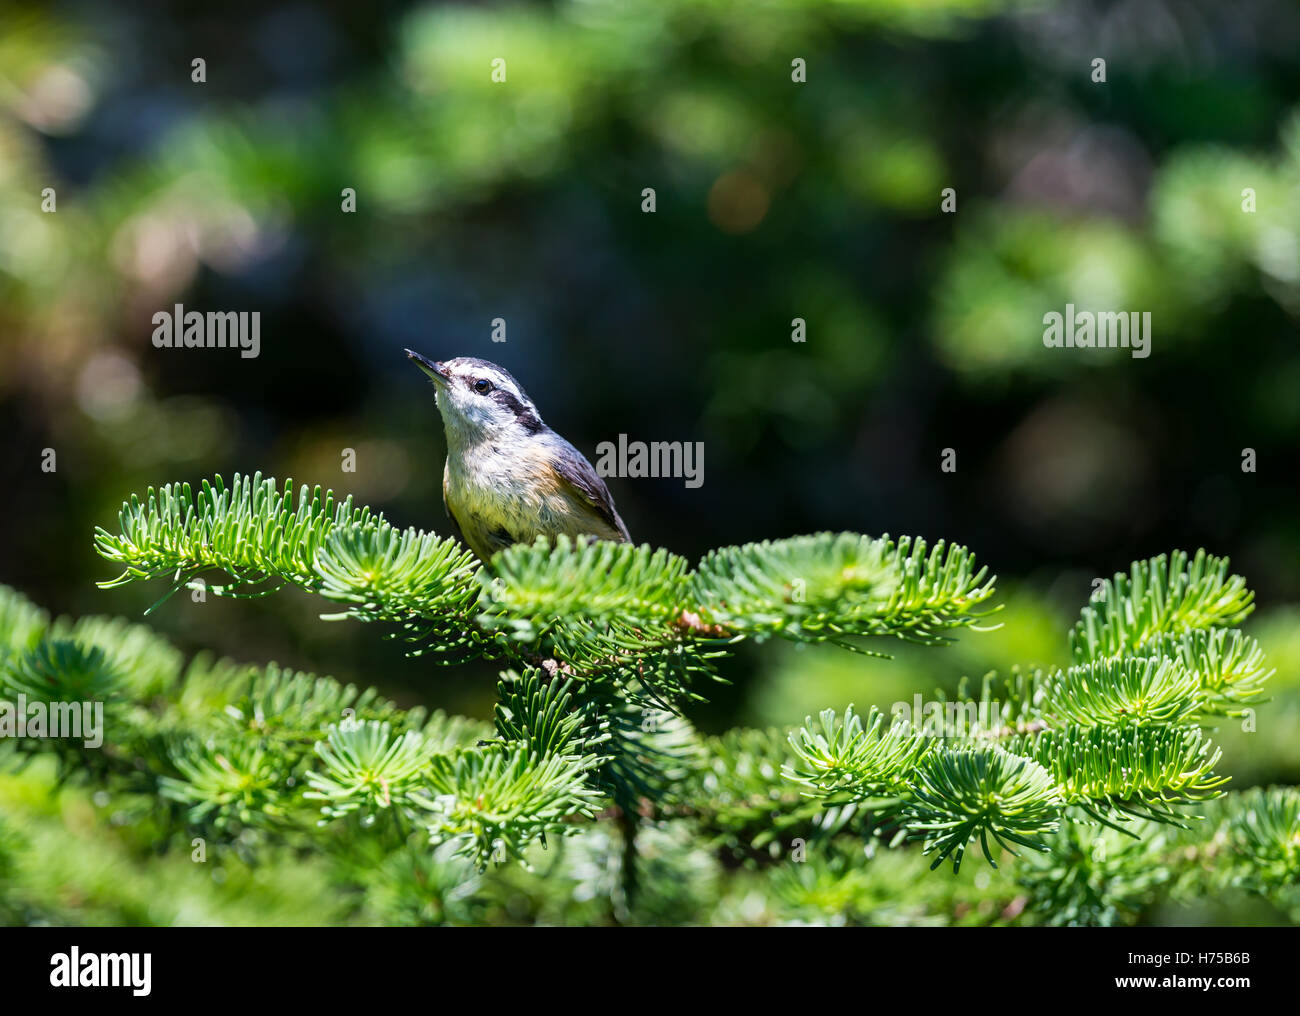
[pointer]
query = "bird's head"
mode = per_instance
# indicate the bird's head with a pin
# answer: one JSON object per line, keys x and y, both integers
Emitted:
{"x": 478, "y": 399}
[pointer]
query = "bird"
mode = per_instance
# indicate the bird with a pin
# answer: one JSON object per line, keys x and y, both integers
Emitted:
{"x": 509, "y": 478}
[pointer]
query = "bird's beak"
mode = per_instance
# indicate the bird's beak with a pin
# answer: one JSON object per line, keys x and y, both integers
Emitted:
{"x": 435, "y": 370}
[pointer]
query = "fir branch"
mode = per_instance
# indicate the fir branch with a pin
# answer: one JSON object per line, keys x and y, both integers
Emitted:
{"x": 257, "y": 535}
{"x": 493, "y": 803}
{"x": 862, "y": 762}
{"x": 251, "y": 531}
{"x": 1246, "y": 842}
{"x": 291, "y": 707}
{"x": 650, "y": 752}
{"x": 1128, "y": 771}
{"x": 228, "y": 785}
{"x": 1263, "y": 830}
{"x": 746, "y": 809}
{"x": 1007, "y": 705}
{"x": 368, "y": 768}
{"x": 1141, "y": 691}
{"x": 22, "y": 623}
{"x": 1166, "y": 595}
{"x": 1229, "y": 666}
{"x": 63, "y": 671}
{"x": 610, "y": 639}
{"x": 149, "y": 665}
{"x": 389, "y": 575}
{"x": 532, "y": 588}
{"x": 830, "y": 586}
{"x": 546, "y": 716}
{"x": 597, "y": 608}
{"x": 982, "y": 793}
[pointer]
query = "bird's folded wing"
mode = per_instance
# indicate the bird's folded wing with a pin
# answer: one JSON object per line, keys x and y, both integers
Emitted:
{"x": 579, "y": 476}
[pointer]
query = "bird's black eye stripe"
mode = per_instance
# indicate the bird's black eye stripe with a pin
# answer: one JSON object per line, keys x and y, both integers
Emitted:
{"x": 482, "y": 386}
{"x": 524, "y": 414}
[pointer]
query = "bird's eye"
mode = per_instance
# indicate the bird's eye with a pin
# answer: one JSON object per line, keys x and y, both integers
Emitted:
{"x": 482, "y": 386}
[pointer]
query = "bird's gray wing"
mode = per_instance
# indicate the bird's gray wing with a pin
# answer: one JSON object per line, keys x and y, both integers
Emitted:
{"x": 577, "y": 472}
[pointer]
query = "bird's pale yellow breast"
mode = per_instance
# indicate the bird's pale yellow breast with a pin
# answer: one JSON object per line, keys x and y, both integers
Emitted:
{"x": 517, "y": 499}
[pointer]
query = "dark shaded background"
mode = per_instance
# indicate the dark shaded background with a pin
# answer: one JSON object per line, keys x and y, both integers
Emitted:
{"x": 775, "y": 200}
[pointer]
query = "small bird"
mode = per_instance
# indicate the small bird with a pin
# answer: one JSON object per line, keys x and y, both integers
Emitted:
{"x": 509, "y": 478}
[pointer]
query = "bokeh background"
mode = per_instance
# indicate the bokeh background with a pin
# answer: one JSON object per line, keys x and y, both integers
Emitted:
{"x": 478, "y": 200}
